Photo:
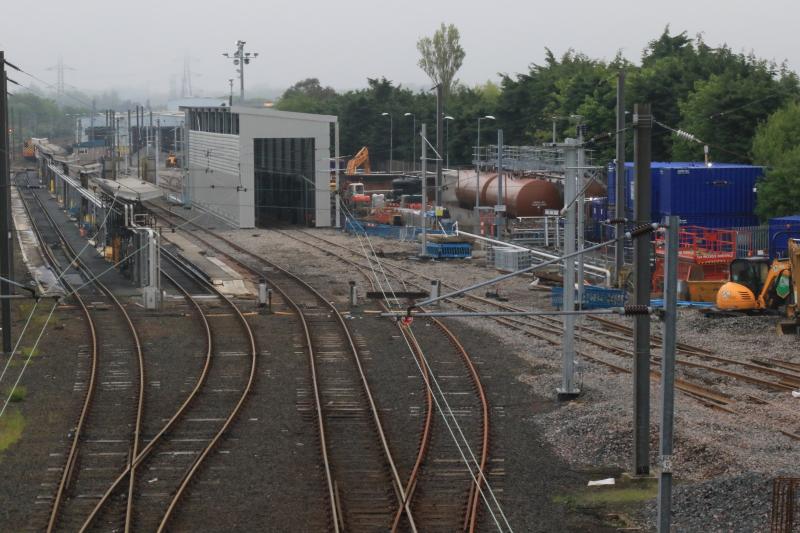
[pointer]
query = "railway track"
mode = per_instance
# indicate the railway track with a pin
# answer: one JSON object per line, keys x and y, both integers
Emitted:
{"x": 362, "y": 482}
{"x": 107, "y": 432}
{"x": 446, "y": 483}
{"x": 549, "y": 329}
{"x": 174, "y": 456}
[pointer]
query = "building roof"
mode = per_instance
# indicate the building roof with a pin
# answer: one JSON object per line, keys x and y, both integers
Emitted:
{"x": 130, "y": 189}
{"x": 291, "y": 115}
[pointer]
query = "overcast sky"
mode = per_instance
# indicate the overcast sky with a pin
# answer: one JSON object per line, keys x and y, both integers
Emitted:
{"x": 342, "y": 42}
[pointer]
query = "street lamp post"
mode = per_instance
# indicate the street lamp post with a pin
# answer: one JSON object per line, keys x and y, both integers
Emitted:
{"x": 478, "y": 163}
{"x": 385, "y": 114}
{"x": 447, "y": 119}
{"x": 413, "y": 140}
{"x": 241, "y": 58}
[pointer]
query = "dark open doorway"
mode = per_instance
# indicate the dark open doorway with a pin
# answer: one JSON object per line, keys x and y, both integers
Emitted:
{"x": 284, "y": 181}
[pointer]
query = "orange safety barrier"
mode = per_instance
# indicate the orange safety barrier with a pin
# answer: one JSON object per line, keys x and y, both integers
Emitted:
{"x": 704, "y": 246}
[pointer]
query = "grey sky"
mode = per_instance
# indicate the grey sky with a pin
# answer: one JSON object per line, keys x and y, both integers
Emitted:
{"x": 343, "y": 42}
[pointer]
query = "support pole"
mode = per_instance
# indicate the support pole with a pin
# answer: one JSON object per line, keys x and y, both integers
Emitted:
{"x": 158, "y": 149}
{"x": 129, "y": 141}
{"x": 579, "y": 207}
{"x": 187, "y": 172}
{"x": 117, "y": 149}
{"x": 338, "y": 194}
{"x": 668, "y": 333}
{"x": 642, "y": 123}
{"x": 478, "y": 171}
{"x": 619, "y": 181}
{"x": 424, "y": 164}
{"x": 568, "y": 390}
{"x": 439, "y": 120}
{"x": 138, "y": 142}
{"x": 500, "y": 207}
{"x": 7, "y": 246}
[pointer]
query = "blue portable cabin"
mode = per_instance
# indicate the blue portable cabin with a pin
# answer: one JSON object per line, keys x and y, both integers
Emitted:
{"x": 655, "y": 168}
{"x": 721, "y": 189}
{"x": 720, "y": 196}
{"x": 781, "y": 229}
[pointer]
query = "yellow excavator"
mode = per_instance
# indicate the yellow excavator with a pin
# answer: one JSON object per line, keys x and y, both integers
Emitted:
{"x": 361, "y": 159}
{"x": 758, "y": 285}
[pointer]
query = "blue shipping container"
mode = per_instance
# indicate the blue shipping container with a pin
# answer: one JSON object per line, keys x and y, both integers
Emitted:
{"x": 723, "y": 189}
{"x": 720, "y": 221}
{"x": 692, "y": 190}
{"x": 780, "y": 230}
{"x": 629, "y": 187}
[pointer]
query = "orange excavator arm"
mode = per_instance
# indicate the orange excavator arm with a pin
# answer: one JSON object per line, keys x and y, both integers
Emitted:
{"x": 794, "y": 259}
{"x": 361, "y": 159}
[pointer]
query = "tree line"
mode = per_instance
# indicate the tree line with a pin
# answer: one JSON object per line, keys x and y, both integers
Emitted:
{"x": 736, "y": 103}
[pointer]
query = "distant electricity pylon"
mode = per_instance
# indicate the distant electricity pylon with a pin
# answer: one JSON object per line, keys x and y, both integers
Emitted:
{"x": 60, "y": 68}
{"x": 186, "y": 88}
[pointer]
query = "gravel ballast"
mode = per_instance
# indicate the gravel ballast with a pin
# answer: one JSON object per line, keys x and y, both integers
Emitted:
{"x": 595, "y": 430}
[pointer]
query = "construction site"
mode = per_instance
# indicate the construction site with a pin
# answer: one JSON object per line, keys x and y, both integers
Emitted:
{"x": 218, "y": 316}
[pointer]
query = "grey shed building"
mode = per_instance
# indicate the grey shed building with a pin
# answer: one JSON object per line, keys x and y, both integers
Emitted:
{"x": 257, "y": 167}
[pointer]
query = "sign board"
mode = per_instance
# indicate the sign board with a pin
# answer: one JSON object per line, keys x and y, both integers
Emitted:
{"x": 499, "y": 209}
{"x": 552, "y": 212}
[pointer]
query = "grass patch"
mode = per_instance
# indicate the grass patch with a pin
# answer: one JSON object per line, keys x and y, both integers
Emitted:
{"x": 26, "y": 351}
{"x": 599, "y": 497}
{"x": 11, "y": 426}
{"x": 625, "y": 492}
{"x": 18, "y": 394}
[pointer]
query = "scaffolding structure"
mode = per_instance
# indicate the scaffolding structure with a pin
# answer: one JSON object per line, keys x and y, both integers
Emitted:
{"x": 524, "y": 159}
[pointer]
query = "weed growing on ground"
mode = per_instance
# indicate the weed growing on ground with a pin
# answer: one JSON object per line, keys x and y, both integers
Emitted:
{"x": 18, "y": 394}
{"x": 11, "y": 426}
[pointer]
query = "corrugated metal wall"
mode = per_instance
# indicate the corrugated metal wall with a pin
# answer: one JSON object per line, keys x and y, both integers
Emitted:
{"x": 214, "y": 167}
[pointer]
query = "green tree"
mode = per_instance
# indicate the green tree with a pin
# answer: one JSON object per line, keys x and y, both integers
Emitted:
{"x": 779, "y": 190}
{"x": 309, "y": 96}
{"x": 561, "y": 87}
{"x": 42, "y": 117}
{"x": 725, "y": 109}
{"x": 442, "y": 56}
{"x": 778, "y": 135}
{"x": 777, "y": 145}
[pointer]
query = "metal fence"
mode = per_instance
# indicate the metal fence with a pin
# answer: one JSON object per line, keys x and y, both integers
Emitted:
{"x": 752, "y": 240}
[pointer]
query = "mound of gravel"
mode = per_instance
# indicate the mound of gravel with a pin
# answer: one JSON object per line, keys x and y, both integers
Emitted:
{"x": 738, "y": 503}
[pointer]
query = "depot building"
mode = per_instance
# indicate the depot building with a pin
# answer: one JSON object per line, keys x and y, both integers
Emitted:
{"x": 259, "y": 167}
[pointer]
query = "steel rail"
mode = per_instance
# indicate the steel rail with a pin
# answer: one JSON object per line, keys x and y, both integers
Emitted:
{"x": 706, "y": 396}
{"x": 66, "y": 474}
{"x": 427, "y": 424}
{"x": 145, "y": 452}
{"x": 472, "y": 509}
{"x": 422, "y": 450}
{"x": 245, "y": 393}
{"x": 397, "y": 484}
{"x": 789, "y": 379}
{"x": 74, "y": 449}
{"x": 470, "y": 519}
{"x": 691, "y": 350}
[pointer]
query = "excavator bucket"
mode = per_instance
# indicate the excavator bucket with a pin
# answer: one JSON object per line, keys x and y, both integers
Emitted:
{"x": 791, "y": 326}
